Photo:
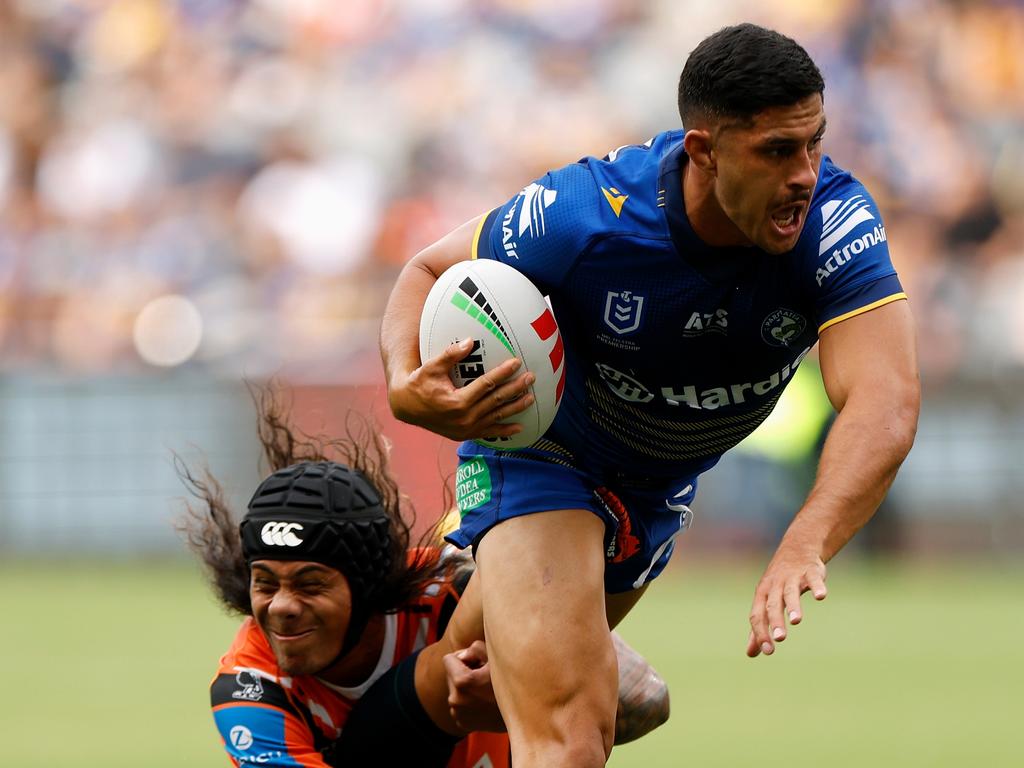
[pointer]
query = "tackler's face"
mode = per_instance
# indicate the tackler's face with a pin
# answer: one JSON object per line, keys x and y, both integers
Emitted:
{"x": 303, "y": 609}
{"x": 767, "y": 169}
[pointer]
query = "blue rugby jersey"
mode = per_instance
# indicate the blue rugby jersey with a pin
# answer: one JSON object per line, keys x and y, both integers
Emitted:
{"x": 675, "y": 350}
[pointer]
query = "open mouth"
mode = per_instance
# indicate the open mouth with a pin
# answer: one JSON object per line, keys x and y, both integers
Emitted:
{"x": 788, "y": 220}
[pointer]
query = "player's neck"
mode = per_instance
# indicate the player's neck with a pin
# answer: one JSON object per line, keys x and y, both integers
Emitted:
{"x": 357, "y": 665}
{"x": 705, "y": 214}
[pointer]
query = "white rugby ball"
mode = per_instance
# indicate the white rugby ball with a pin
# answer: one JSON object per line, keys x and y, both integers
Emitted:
{"x": 507, "y": 317}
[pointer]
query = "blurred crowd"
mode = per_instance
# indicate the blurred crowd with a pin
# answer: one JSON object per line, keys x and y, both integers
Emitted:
{"x": 233, "y": 185}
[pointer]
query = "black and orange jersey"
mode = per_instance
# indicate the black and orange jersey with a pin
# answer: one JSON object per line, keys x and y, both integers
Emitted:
{"x": 270, "y": 719}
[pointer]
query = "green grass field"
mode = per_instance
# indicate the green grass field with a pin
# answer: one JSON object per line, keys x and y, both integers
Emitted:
{"x": 107, "y": 665}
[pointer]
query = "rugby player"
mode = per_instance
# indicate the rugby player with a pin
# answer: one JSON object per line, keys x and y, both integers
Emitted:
{"x": 690, "y": 275}
{"x": 339, "y": 607}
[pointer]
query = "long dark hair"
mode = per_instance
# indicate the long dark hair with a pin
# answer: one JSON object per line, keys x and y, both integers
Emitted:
{"x": 211, "y": 529}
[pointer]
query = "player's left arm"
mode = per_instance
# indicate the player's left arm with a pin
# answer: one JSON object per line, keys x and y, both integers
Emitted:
{"x": 869, "y": 367}
{"x": 643, "y": 694}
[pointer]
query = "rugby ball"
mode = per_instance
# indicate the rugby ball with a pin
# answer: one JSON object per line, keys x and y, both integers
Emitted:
{"x": 507, "y": 317}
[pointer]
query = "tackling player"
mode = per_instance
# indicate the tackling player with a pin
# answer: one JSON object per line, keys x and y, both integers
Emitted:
{"x": 690, "y": 275}
{"x": 339, "y": 608}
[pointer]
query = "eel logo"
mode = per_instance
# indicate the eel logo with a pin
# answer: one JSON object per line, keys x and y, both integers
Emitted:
{"x": 782, "y": 326}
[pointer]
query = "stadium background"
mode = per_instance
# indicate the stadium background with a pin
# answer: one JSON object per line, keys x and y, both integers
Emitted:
{"x": 201, "y": 191}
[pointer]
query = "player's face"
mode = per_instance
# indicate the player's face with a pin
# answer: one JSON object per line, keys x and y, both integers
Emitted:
{"x": 303, "y": 609}
{"x": 767, "y": 171}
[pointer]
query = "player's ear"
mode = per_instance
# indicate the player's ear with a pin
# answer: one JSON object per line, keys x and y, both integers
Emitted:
{"x": 699, "y": 148}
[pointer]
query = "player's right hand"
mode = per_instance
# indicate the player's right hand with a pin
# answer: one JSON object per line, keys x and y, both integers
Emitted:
{"x": 427, "y": 397}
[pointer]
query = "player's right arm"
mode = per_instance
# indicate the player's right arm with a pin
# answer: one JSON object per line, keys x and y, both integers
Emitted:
{"x": 643, "y": 695}
{"x": 421, "y": 392}
{"x": 541, "y": 232}
{"x": 267, "y": 731}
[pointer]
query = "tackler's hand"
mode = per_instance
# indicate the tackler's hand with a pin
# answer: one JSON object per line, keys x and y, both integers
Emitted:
{"x": 790, "y": 573}
{"x": 428, "y": 398}
{"x": 470, "y": 695}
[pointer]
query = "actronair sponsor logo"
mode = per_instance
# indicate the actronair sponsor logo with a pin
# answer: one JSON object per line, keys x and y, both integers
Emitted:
{"x": 733, "y": 394}
{"x": 507, "y": 237}
{"x": 276, "y": 534}
{"x": 536, "y": 198}
{"x": 471, "y": 300}
{"x": 839, "y": 217}
{"x": 842, "y": 255}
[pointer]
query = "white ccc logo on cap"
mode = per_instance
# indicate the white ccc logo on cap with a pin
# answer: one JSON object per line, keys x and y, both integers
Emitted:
{"x": 280, "y": 534}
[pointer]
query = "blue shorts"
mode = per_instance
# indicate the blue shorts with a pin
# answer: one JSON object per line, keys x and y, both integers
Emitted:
{"x": 643, "y": 516}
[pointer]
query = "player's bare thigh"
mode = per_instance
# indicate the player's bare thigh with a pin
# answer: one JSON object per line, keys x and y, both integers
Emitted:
{"x": 467, "y": 623}
{"x": 553, "y": 664}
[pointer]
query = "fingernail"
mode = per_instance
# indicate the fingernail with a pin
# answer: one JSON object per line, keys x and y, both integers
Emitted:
{"x": 778, "y": 633}
{"x": 767, "y": 648}
{"x": 465, "y": 343}
{"x": 793, "y": 616}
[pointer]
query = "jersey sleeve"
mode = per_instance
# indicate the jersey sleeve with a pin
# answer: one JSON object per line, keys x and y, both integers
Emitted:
{"x": 259, "y": 725}
{"x": 544, "y": 229}
{"x": 852, "y": 270}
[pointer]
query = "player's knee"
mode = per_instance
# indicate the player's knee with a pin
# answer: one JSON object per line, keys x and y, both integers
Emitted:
{"x": 590, "y": 752}
{"x": 582, "y": 745}
{"x": 585, "y": 715}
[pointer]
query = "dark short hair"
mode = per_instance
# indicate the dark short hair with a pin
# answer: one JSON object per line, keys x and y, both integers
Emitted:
{"x": 742, "y": 70}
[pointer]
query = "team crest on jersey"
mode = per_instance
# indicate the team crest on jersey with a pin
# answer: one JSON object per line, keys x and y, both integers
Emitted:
{"x": 250, "y": 688}
{"x": 623, "y": 385}
{"x": 782, "y": 326}
{"x": 622, "y": 311}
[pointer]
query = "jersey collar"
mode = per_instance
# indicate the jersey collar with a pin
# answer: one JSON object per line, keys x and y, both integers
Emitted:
{"x": 714, "y": 264}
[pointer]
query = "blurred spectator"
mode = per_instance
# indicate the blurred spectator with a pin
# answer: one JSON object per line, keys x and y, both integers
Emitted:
{"x": 274, "y": 163}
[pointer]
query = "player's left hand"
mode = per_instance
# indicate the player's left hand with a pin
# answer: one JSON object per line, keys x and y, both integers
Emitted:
{"x": 470, "y": 695}
{"x": 777, "y": 597}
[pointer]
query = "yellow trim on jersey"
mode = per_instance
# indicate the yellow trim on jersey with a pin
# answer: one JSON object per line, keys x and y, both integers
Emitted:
{"x": 862, "y": 310}
{"x": 476, "y": 235}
